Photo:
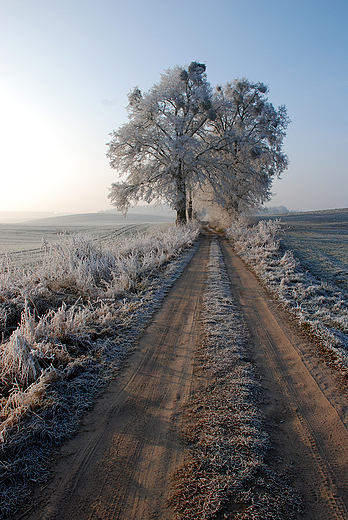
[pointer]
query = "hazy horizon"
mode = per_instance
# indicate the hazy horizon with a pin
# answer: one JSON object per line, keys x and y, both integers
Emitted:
{"x": 13, "y": 217}
{"x": 141, "y": 209}
{"x": 67, "y": 68}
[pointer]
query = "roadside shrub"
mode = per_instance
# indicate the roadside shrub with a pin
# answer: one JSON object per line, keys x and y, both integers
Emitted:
{"x": 318, "y": 306}
{"x": 81, "y": 287}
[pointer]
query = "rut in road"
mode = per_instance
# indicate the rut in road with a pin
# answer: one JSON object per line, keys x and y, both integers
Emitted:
{"x": 309, "y": 433}
{"x": 118, "y": 466}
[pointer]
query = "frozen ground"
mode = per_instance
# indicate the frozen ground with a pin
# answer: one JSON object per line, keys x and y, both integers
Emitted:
{"x": 223, "y": 425}
{"x": 27, "y": 238}
{"x": 320, "y": 241}
{"x": 320, "y": 306}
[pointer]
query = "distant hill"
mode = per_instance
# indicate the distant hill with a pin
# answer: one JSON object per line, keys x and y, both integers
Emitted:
{"x": 148, "y": 212}
{"x": 146, "y": 209}
{"x": 102, "y": 219}
{"x": 21, "y": 216}
{"x": 29, "y": 234}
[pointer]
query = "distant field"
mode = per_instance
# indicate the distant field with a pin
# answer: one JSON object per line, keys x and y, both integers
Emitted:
{"x": 26, "y": 239}
{"x": 320, "y": 240}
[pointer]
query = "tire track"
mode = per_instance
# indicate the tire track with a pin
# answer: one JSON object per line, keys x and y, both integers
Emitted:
{"x": 119, "y": 464}
{"x": 309, "y": 436}
{"x": 327, "y": 467}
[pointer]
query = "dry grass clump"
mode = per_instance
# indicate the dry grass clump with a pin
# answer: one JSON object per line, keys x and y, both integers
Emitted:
{"x": 225, "y": 475}
{"x": 80, "y": 311}
{"x": 80, "y": 269}
{"x": 320, "y": 309}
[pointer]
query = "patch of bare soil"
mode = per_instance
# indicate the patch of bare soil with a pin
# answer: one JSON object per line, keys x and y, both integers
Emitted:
{"x": 305, "y": 407}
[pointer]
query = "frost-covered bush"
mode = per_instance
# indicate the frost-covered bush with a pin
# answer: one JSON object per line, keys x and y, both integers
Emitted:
{"x": 79, "y": 269}
{"x": 318, "y": 306}
{"x": 51, "y": 314}
{"x": 255, "y": 242}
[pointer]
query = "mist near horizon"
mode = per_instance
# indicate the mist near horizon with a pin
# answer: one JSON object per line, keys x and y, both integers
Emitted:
{"x": 158, "y": 212}
{"x": 140, "y": 213}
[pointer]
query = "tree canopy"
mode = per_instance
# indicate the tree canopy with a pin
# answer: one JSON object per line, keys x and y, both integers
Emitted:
{"x": 183, "y": 137}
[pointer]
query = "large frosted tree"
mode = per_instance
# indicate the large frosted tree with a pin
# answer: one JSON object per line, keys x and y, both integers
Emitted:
{"x": 182, "y": 137}
{"x": 247, "y": 135}
{"x": 160, "y": 149}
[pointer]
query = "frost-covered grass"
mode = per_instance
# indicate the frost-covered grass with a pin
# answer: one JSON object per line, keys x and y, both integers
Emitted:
{"x": 24, "y": 240}
{"x": 320, "y": 308}
{"x": 226, "y": 475}
{"x": 66, "y": 325}
{"x": 319, "y": 239}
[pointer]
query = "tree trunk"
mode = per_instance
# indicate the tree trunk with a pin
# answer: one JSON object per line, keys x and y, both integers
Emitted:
{"x": 181, "y": 213}
{"x": 190, "y": 210}
{"x": 181, "y": 204}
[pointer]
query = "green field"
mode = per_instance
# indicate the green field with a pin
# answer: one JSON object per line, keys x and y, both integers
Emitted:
{"x": 319, "y": 239}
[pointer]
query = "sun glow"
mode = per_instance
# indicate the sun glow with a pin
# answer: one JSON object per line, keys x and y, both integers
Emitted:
{"x": 32, "y": 155}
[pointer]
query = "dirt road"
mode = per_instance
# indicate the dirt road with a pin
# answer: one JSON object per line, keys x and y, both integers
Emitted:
{"x": 305, "y": 408}
{"x": 118, "y": 466}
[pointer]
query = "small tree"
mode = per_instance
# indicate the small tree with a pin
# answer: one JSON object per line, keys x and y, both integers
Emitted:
{"x": 181, "y": 137}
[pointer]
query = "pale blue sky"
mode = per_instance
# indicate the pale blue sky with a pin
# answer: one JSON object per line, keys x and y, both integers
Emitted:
{"x": 67, "y": 66}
